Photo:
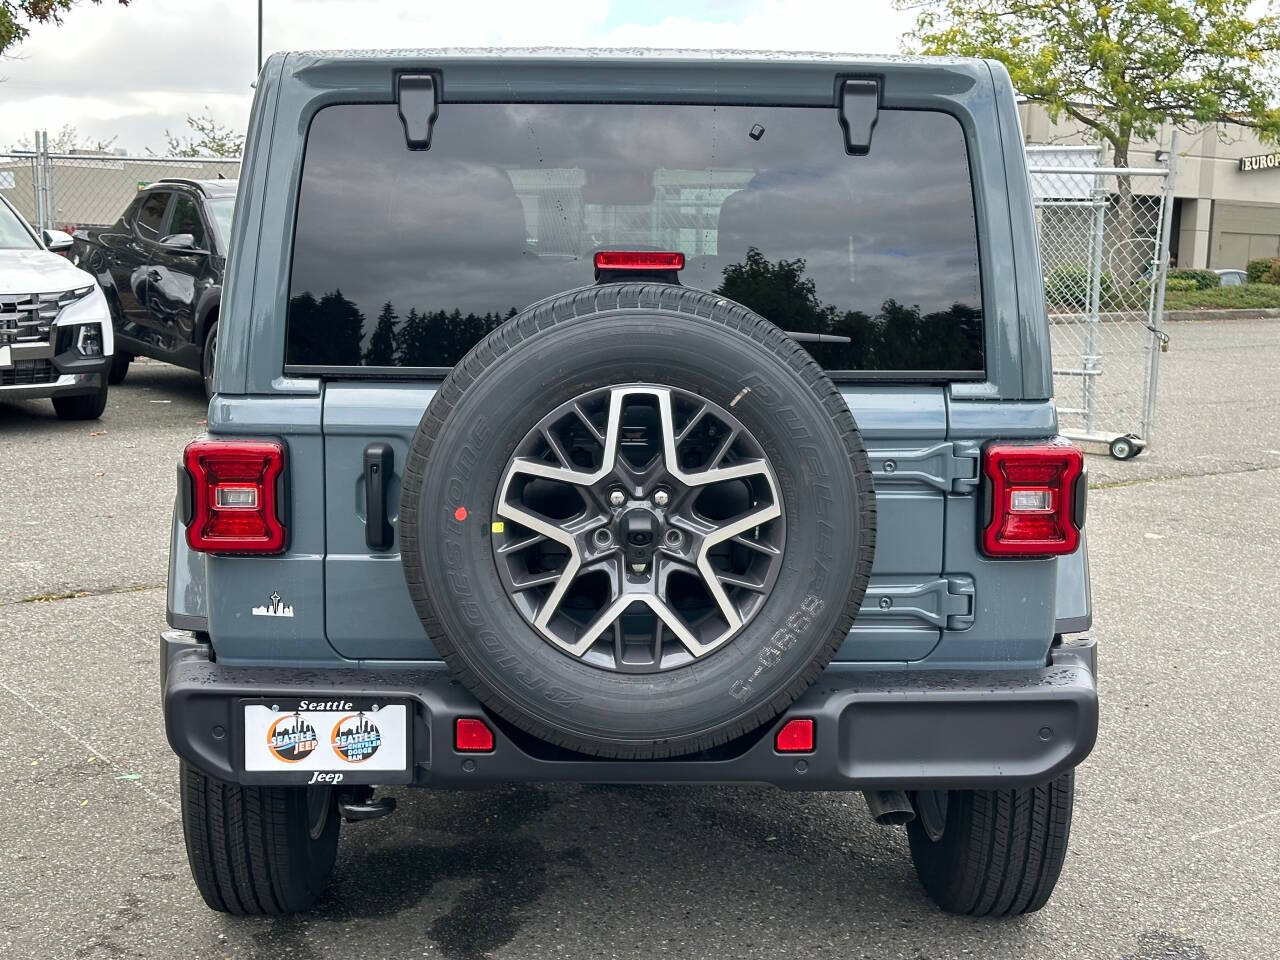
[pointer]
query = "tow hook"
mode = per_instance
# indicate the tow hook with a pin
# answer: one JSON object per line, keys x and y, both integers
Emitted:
{"x": 358, "y": 803}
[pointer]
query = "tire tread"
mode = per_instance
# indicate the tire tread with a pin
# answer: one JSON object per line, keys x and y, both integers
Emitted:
{"x": 1002, "y": 852}
{"x": 239, "y": 848}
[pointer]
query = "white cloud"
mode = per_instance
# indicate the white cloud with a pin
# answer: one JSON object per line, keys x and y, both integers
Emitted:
{"x": 135, "y": 71}
{"x": 775, "y": 25}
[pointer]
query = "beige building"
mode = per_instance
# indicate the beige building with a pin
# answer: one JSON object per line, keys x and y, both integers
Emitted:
{"x": 1226, "y": 207}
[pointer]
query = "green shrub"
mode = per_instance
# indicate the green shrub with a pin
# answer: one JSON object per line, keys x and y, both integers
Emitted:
{"x": 1203, "y": 279}
{"x": 1273, "y": 272}
{"x": 1257, "y": 269}
{"x": 1181, "y": 283}
{"x": 1246, "y": 296}
{"x": 1067, "y": 285}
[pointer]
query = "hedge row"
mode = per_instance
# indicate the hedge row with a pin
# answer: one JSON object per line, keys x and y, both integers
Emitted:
{"x": 1263, "y": 270}
{"x": 1203, "y": 279}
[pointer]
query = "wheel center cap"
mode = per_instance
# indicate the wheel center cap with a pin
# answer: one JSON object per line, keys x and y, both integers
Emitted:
{"x": 638, "y": 534}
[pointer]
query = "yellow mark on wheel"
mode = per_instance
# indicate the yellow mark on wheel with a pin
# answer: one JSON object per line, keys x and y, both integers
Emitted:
{"x": 497, "y": 526}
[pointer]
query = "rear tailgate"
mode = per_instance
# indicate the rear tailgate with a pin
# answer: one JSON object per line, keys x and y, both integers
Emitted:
{"x": 368, "y": 613}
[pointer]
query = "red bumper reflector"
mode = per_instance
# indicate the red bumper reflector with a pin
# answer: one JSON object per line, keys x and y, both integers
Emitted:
{"x": 796, "y": 736}
{"x": 471, "y": 735}
{"x": 639, "y": 260}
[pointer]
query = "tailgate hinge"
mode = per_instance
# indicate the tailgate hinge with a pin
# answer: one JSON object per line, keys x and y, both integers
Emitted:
{"x": 951, "y": 467}
{"x": 959, "y": 602}
{"x": 944, "y": 602}
{"x": 417, "y": 99}
{"x": 859, "y": 110}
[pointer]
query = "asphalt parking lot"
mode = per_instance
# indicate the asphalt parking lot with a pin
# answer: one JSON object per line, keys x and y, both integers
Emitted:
{"x": 1176, "y": 845}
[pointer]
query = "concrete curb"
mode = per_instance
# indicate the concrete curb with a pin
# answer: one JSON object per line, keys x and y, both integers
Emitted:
{"x": 1210, "y": 313}
{"x": 1205, "y": 313}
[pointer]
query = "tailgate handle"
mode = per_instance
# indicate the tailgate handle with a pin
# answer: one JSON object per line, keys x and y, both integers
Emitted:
{"x": 377, "y": 468}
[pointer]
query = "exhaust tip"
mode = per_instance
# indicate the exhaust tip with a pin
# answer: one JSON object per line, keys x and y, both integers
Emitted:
{"x": 889, "y": 808}
{"x": 895, "y": 818}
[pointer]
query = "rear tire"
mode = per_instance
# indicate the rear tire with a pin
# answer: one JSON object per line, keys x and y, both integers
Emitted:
{"x": 85, "y": 406}
{"x": 119, "y": 368}
{"x": 1001, "y": 851}
{"x": 258, "y": 851}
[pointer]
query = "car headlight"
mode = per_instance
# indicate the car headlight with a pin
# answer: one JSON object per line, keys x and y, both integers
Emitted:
{"x": 89, "y": 340}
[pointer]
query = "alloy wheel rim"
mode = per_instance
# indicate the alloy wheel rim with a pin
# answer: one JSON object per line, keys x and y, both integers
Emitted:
{"x": 639, "y": 528}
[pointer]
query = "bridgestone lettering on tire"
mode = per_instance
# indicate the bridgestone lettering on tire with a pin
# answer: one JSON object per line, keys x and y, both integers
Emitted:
{"x": 637, "y": 520}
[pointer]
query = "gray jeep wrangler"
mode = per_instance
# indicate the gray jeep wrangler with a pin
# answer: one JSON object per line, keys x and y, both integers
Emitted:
{"x": 661, "y": 418}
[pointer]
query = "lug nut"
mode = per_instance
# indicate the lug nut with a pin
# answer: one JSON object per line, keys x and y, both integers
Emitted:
{"x": 673, "y": 538}
{"x": 601, "y": 537}
{"x": 617, "y": 498}
{"x": 661, "y": 498}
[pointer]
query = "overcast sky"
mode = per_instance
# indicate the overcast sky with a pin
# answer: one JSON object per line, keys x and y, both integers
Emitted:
{"x": 133, "y": 72}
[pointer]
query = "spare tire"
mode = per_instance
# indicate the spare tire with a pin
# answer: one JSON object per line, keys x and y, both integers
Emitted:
{"x": 637, "y": 520}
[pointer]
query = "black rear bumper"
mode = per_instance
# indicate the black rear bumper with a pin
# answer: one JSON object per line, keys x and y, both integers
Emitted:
{"x": 889, "y": 729}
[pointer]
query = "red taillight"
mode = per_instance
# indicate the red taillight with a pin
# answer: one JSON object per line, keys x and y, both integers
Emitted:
{"x": 796, "y": 736}
{"x": 234, "y": 496}
{"x": 1035, "y": 495}
{"x": 639, "y": 260}
{"x": 471, "y": 735}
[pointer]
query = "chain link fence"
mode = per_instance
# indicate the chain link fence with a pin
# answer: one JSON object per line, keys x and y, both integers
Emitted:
{"x": 1104, "y": 241}
{"x": 1104, "y": 245}
{"x": 66, "y": 191}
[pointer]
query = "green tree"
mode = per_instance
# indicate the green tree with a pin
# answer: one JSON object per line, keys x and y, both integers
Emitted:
{"x": 780, "y": 292}
{"x": 336, "y": 332}
{"x": 381, "y": 351}
{"x": 211, "y": 139}
{"x": 67, "y": 140}
{"x": 1120, "y": 67}
{"x": 16, "y": 17}
{"x": 413, "y": 340}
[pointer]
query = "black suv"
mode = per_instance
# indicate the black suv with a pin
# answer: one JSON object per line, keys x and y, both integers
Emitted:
{"x": 161, "y": 266}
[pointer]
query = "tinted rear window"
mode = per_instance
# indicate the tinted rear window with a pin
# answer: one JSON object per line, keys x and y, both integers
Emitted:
{"x": 407, "y": 258}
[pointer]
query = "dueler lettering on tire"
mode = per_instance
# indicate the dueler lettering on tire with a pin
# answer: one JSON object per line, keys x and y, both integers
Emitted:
{"x": 637, "y": 520}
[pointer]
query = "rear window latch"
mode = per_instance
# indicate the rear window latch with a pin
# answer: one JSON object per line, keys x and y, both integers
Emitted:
{"x": 417, "y": 99}
{"x": 859, "y": 110}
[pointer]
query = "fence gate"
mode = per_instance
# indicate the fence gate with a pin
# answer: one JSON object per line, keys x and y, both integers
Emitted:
{"x": 1104, "y": 245}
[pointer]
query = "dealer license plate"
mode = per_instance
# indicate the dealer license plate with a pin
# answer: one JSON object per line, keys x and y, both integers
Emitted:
{"x": 327, "y": 741}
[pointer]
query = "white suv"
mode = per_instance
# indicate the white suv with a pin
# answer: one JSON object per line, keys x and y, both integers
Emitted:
{"x": 55, "y": 328}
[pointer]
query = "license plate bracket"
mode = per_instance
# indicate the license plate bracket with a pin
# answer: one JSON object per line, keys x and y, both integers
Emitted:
{"x": 324, "y": 740}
